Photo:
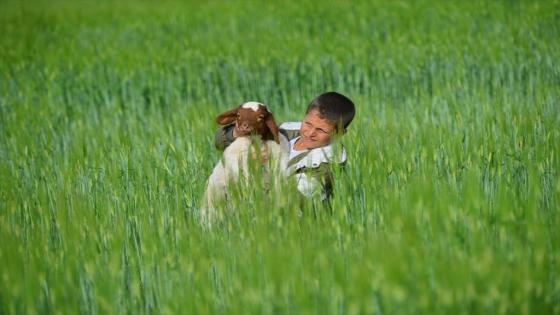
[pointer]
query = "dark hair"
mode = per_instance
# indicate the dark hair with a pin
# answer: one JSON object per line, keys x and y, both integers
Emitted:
{"x": 334, "y": 107}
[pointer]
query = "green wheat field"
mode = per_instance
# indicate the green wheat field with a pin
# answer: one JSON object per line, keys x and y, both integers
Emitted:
{"x": 449, "y": 203}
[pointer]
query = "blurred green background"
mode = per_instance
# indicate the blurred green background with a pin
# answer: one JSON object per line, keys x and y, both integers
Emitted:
{"x": 449, "y": 201}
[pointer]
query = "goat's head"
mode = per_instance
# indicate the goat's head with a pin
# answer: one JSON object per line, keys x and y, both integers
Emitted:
{"x": 251, "y": 118}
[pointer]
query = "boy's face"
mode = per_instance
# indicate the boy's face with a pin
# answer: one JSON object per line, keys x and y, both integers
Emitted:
{"x": 315, "y": 131}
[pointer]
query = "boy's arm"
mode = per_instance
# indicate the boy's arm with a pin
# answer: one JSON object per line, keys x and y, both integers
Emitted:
{"x": 289, "y": 134}
{"x": 224, "y": 137}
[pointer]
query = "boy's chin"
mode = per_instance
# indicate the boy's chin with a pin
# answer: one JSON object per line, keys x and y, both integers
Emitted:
{"x": 311, "y": 144}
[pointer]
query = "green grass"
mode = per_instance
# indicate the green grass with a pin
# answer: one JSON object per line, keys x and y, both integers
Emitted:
{"x": 449, "y": 202}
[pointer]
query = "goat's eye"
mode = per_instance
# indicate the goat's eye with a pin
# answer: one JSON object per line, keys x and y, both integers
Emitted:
{"x": 260, "y": 117}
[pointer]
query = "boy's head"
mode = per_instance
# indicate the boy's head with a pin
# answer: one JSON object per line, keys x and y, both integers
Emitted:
{"x": 335, "y": 108}
{"x": 326, "y": 115}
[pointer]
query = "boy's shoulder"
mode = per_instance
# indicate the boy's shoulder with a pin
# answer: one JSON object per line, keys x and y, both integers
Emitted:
{"x": 290, "y": 129}
{"x": 290, "y": 125}
{"x": 331, "y": 153}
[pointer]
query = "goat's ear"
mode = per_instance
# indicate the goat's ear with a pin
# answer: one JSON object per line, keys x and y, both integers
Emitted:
{"x": 227, "y": 117}
{"x": 271, "y": 124}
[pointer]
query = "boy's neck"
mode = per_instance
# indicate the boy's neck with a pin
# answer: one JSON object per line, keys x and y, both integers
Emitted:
{"x": 297, "y": 145}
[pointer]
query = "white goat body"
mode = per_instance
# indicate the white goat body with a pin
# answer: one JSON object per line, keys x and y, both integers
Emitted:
{"x": 235, "y": 163}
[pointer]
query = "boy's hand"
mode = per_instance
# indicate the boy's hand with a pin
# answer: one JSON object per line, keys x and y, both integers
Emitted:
{"x": 264, "y": 155}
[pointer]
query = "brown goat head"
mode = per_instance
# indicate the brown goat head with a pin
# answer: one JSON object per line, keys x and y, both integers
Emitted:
{"x": 251, "y": 118}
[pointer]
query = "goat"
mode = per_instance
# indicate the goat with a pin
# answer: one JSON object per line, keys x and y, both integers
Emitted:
{"x": 251, "y": 119}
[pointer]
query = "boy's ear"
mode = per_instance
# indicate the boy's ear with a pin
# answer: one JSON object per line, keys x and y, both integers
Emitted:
{"x": 271, "y": 124}
{"x": 228, "y": 117}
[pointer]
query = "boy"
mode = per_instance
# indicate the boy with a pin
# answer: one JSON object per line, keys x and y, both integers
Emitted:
{"x": 311, "y": 150}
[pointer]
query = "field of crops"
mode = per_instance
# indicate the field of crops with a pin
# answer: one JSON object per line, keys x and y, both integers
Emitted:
{"x": 449, "y": 203}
